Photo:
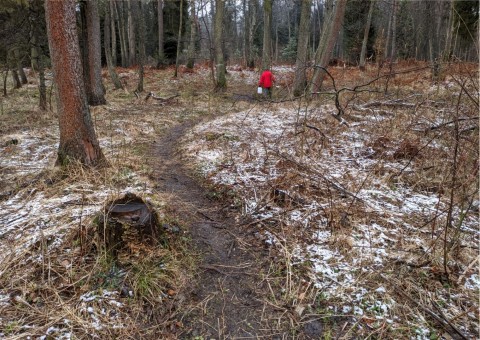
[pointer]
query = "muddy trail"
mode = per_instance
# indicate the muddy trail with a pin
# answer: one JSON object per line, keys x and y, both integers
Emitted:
{"x": 225, "y": 298}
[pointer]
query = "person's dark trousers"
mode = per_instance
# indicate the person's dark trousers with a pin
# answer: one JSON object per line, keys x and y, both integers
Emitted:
{"x": 267, "y": 92}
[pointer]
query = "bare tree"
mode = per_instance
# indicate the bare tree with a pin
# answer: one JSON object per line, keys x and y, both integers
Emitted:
{"x": 161, "y": 53}
{"x": 193, "y": 33}
{"x": 94, "y": 85}
{"x": 141, "y": 47}
{"x": 267, "y": 34}
{"x": 331, "y": 29}
{"x": 179, "y": 39}
{"x": 300, "y": 80}
{"x": 108, "y": 52}
{"x": 131, "y": 32}
{"x": 78, "y": 141}
{"x": 221, "y": 81}
{"x": 365, "y": 35}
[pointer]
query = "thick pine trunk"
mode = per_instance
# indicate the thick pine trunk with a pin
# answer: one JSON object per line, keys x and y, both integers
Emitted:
{"x": 221, "y": 81}
{"x": 78, "y": 141}
{"x": 300, "y": 81}
{"x": 267, "y": 34}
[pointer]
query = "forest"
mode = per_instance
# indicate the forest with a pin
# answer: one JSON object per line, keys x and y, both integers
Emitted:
{"x": 153, "y": 185}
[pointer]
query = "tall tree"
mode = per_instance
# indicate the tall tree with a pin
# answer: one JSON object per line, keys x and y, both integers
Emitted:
{"x": 267, "y": 34}
{"x": 179, "y": 39}
{"x": 37, "y": 22}
{"x": 331, "y": 29}
{"x": 108, "y": 52}
{"x": 132, "y": 41}
{"x": 193, "y": 33}
{"x": 365, "y": 35}
{"x": 300, "y": 80}
{"x": 94, "y": 85}
{"x": 113, "y": 33}
{"x": 221, "y": 81}
{"x": 141, "y": 47}
{"x": 78, "y": 141}
{"x": 161, "y": 53}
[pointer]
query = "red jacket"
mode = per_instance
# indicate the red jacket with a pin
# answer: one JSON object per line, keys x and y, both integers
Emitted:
{"x": 266, "y": 79}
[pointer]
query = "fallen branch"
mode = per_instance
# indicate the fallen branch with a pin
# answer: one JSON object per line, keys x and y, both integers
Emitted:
{"x": 154, "y": 96}
{"x": 441, "y": 319}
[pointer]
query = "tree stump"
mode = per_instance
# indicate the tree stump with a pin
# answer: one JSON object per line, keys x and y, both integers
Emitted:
{"x": 128, "y": 225}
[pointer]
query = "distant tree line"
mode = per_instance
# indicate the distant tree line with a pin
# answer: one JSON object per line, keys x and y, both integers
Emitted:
{"x": 253, "y": 33}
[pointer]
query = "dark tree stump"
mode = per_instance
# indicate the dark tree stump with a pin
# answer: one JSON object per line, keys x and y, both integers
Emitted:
{"x": 126, "y": 221}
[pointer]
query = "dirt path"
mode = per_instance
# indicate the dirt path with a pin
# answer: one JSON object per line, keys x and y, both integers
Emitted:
{"x": 225, "y": 297}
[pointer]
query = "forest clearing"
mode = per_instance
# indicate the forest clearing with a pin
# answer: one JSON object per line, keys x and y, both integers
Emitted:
{"x": 347, "y": 221}
{"x": 251, "y": 169}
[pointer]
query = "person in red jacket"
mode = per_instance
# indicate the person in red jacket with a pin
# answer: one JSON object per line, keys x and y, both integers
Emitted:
{"x": 266, "y": 82}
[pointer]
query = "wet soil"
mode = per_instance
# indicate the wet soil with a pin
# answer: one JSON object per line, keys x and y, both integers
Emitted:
{"x": 225, "y": 299}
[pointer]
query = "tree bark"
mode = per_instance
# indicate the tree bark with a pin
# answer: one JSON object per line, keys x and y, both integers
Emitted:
{"x": 108, "y": 53}
{"x": 300, "y": 81}
{"x": 267, "y": 34}
{"x": 94, "y": 86}
{"x": 330, "y": 33}
{"x": 131, "y": 33}
{"x": 21, "y": 72}
{"x": 141, "y": 47}
{"x": 78, "y": 141}
{"x": 113, "y": 33}
{"x": 37, "y": 54}
{"x": 221, "y": 81}
{"x": 161, "y": 53}
{"x": 365, "y": 35}
{"x": 179, "y": 41}
{"x": 193, "y": 33}
{"x": 122, "y": 34}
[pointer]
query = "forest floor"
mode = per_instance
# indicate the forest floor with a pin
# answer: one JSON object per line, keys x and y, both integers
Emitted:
{"x": 280, "y": 218}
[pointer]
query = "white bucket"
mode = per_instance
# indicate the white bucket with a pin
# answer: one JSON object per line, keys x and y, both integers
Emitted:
{"x": 259, "y": 90}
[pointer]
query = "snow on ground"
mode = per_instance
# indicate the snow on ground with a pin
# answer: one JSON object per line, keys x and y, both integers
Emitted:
{"x": 36, "y": 213}
{"x": 247, "y": 151}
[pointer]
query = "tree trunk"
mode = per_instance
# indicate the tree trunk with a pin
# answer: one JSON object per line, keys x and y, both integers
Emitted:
{"x": 179, "y": 41}
{"x": 267, "y": 34}
{"x": 221, "y": 81}
{"x": 78, "y": 141}
{"x": 389, "y": 28}
{"x": 21, "y": 72}
{"x": 108, "y": 53}
{"x": 193, "y": 31}
{"x": 94, "y": 86}
{"x": 161, "y": 54}
{"x": 5, "y": 93}
{"x": 37, "y": 54}
{"x": 141, "y": 47}
{"x": 365, "y": 35}
{"x": 252, "y": 22}
{"x": 393, "y": 48}
{"x": 122, "y": 35}
{"x": 448, "y": 40}
{"x": 12, "y": 65}
{"x": 113, "y": 33}
{"x": 300, "y": 81}
{"x": 332, "y": 26}
{"x": 131, "y": 33}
